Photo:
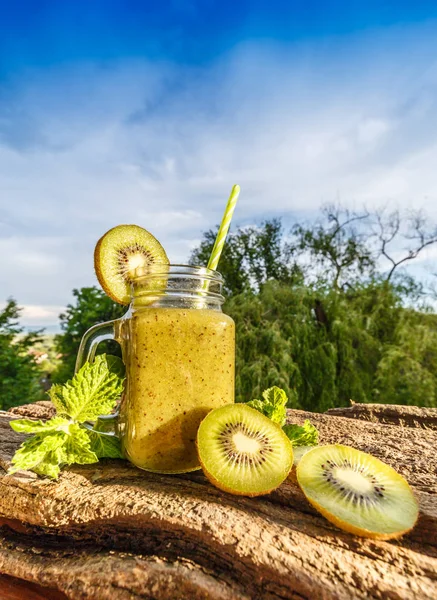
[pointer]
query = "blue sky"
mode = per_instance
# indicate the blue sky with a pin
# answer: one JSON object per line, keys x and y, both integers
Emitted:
{"x": 115, "y": 111}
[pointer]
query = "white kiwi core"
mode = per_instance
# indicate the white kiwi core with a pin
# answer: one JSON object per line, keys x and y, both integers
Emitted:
{"x": 243, "y": 443}
{"x": 135, "y": 261}
{"x": 353, "y": 480}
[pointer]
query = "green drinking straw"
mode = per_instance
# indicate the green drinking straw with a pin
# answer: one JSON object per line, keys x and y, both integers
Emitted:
{"x": 224, "y": 228}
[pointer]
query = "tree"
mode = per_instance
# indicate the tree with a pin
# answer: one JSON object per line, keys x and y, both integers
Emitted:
{"x": 374, "y": 349}
{"x": 335, "y": 249}
{"x": 251, "y": 256}
{"x": 19, "y": 374}
{"x": 91, "y": 306}
{"x": 390, "y": 228}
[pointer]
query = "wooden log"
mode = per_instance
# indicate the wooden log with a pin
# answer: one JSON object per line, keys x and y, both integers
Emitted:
{"x": 37, "y": 410}
{"x": 112, "y": 531}
{"x": 406, "y": 416}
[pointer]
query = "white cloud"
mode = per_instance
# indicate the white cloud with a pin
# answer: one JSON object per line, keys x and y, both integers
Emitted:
{"x": 372, "y": 130}
{"x": 92, "y": 146}
{"x": 39, "y": 315}
{"x": 21, "y": 255}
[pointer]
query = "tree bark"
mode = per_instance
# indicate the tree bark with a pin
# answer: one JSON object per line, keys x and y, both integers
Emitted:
{"x": 112, "y": 531}
{"x": 406, "y": 416}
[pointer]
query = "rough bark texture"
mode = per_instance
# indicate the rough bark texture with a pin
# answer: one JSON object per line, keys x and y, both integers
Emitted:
{"x": 112, "y": 531}
{"x": 38, "y": 410}
{"x": 406, "y": 416}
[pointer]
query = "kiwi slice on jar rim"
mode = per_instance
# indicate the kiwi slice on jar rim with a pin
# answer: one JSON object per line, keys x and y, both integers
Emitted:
{"x": 123, "y": 252}
{"x": 242, "y": 451}
{"x": 357, "y": 492}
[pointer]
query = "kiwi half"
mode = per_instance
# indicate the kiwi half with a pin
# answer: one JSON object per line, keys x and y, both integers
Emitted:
{"x": 120, "y": 253}
{"x": 357, "y": 492}
{"x": 242, "y": 451}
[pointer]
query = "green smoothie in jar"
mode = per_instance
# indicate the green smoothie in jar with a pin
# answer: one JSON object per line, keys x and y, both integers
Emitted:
{"x": 180, "y": 366}
{"x": 179, "y": 352}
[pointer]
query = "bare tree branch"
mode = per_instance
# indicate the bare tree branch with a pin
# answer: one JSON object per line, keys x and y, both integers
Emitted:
{"x": 337, "y": 244}
{"x": 389, "y": 230}
{"x": 332, "y": 213}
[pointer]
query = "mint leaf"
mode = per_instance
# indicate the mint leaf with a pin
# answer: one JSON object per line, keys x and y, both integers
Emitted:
{"x": 93, "y": 391}
{"x": 116, "y": 365}
{"x": 55, "y": 393}
{"x": 48, "y": 467}
{"x": 273, "y": 405}
{"x": 277, "y": 399}
{"x": 258, "y": 405}
{"x": 46, "y": 451}
{"x": 29, "y": 426}
{"x": 105, "y": 446}
{"x": 77, "y": 448}
{"x": 35, "y": 449}
{"x": 302, "y": 435}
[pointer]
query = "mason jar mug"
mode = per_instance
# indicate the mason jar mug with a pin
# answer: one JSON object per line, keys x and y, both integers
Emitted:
{"x": 179, "y": 352}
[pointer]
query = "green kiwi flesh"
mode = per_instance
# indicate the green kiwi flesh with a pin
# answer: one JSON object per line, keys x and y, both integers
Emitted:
{"x": 357, "y": 492}
{"x": 242, "y": 451}
{"x": 120, "y": 253}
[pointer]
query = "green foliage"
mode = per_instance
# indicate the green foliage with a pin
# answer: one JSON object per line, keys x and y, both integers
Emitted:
{"x": 407, "y": 370}
{"x": 325, "y": 347}
{"x": 19, "y": 374}
{"x": 251, "y": 256}
{"x": 92, "y": 391}
{"x": 49, "y": 359}
{"x": 63, "y": 440}
{"x": 336, "y": 246}
{"x": 272, "y": 405}
{"x": 91, "y": 306}
{"x": 302, "y": 435}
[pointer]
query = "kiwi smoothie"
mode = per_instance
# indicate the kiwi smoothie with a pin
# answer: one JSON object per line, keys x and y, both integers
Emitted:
{"x": 180, "y": 366}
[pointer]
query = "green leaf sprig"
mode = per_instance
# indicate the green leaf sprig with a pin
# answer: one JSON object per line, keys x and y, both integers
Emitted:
{"x": 64, "y": 440}
{"x": 273, "y": 405}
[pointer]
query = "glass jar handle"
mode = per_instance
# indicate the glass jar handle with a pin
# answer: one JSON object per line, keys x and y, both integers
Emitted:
{"x": 105, "y": 424}
{"x": 91, "y": 339}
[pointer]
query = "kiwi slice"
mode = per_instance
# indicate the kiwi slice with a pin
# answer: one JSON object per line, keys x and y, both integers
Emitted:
{"x": 120, "y": 253}
{"x": 357, "y": 492}
{"x": 242, "y": 451}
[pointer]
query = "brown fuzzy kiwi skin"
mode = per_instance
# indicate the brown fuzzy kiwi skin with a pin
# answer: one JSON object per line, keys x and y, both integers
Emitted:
{"x": 351, "y": 528}
{"x": 98, "y": 271}
{"x": 234, "y": 492}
